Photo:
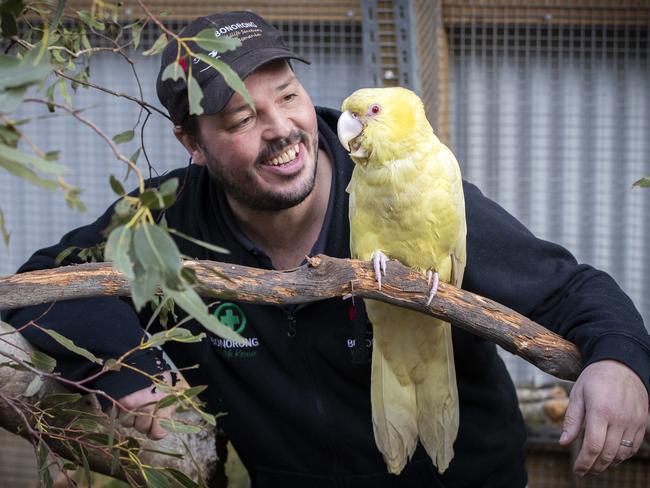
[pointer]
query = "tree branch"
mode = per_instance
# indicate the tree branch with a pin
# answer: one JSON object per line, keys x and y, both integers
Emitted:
{"x": 322, "y": 278}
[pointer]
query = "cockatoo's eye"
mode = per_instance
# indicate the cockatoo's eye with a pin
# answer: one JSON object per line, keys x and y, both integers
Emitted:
{"x": 374, "y": 109}
{"x": 354, "y": 115}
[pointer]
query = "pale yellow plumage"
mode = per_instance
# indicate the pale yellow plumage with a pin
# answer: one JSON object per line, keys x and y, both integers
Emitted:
{"x": 406, "y": 200}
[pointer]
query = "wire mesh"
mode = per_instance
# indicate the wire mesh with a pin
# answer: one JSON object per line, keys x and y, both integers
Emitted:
{"x": 550, "y": 110}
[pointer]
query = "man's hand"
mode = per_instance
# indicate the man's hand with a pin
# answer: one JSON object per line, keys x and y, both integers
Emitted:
{"x": 612, "y": 403}
{"x": 143, "y": 417}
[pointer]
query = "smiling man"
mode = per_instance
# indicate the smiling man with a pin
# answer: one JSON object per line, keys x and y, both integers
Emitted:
{"x": 269, "y": 185}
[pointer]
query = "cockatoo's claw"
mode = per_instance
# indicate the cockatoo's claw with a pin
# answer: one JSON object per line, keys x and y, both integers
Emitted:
{"x": 434, "y": 285}
{"x": 379, "y": 260}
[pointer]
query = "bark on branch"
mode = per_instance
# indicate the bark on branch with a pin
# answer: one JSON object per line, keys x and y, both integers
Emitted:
{"x": 322, "y": 278}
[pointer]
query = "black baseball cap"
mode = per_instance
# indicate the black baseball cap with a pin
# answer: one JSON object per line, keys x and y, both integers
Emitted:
{"x": 261, "y": 43}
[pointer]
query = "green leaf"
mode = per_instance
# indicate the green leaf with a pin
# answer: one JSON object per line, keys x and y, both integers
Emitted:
{"x": 9, "y": 153}
{"x": 33, "y": 387}
{"x": 118, "y": 250}
{"x": 208, "y": 41}
{"x": 58, "y": 14}
{"x": 195, "y": 390}
{"x": 144, "y": 286}
{"x": 167, "y": 401}
{"x": 171, "y": 425}
{"x": 229, "y": 75}
{"x": 177, "y": 334}
{"x": 157, "y": 47}
{"x": 155, "y": 249}
{"x": 42, "y": 361}
{"x": 16, "y": 73}
{"x": 174, "y": 71}
{"x": 63, "y": 90}
{"x": 26, "y": 173}
{"x": 155, "y": 479}
{"x": 5, "y": 234}
{"x": 52, "y": 155}
{"x": 169, "y": 187}
{"x": 136, "y": 32}
{"x": 117, "y": 186}
{"x": 11, "y": 98}
{"x": 61, "y": 398}
{"x": 192, "y": 303}
{"x": 181, "y": 478}
{"x": 199, "y": 242}
{"x": 125, "y": 136}
{"x": 71, "y": 346}
{"x": 195, "y": 95}
{"x": 152, "y": 199}
{"x": 643, "y": 182}
{"x": 90, "y": 21}
{"x": 134, "y": 157}
{"x": 64, "y": 254}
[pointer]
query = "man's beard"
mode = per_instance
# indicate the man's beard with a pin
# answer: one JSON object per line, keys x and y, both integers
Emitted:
{"x": 242, "y": 188}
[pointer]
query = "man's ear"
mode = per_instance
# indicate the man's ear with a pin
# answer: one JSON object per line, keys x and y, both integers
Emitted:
{"x": 190, "y": 143}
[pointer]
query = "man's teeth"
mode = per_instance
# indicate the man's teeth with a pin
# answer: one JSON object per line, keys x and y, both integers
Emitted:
{"x": 288, "y": 155}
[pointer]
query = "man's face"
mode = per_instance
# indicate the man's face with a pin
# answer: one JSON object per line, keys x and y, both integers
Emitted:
{"x": 264, "y": 159}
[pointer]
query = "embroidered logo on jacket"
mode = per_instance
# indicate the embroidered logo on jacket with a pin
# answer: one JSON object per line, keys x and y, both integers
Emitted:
{"x": 233, "y": 317}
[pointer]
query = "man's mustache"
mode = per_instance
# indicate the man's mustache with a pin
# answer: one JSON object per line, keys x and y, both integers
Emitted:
{"x": 280, "y": 145}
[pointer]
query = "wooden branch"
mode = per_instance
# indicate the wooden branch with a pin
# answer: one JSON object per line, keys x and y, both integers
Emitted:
{"x": 322, "y": 278}
{"x": 14, "y": 382}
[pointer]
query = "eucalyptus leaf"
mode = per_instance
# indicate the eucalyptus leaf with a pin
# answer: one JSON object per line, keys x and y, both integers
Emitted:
{"x": 20, "y": 73}
{"x": 192, "y": 303}
{"x": 231, "y": 78}
{"x": 62, "y": 398}
{"x": 173, "y": 71}
{"x": 58, "y": 14}
{"x": 181, "y": 478}
{"x": 169, "y": 187}
{"x": 9, "y": 153}
{"x": 71, "y": 346}
{"x": 3, "y": 229}
{"x": 643, "y": 182}
{"x": 10, "y": 98}
{"x": 136, "y": 32}
{"x": 195, "y": 96}
{"x": 90, "y": 21}
{"x": 144, "y": 286}
{"x": 42, "y": 361}
{"x": 171, "y": 425}
{"x": 193, "y": 391}
{"x": 64, "y": 254}
{"x": 155, "y": 249}
{"x": 33, "y": 387}
{"x": 167, "y": 401}
{"x": 22, "y": 171}
{"x": 210, "y": 42}
{"x": 125, "y": 136}
{"x": 157, "y": 47}
{"x": 177, "y": 334}
{"x": 199, "y": 242}
{"x": 155, "y": 479}
{"x": 152, "y": 199}
{"x": 117, "y": 186}
{"x": 134, "y": 157}
{"x": 118, "y": 247}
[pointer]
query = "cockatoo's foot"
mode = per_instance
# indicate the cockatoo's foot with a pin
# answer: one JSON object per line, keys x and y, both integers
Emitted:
{"x": 432, "y": 275}
{"x": 379, "y": 260}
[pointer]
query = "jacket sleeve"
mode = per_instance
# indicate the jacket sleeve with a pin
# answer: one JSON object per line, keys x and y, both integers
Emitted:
{"x": 107, "y": 326}
{"x": 544, "y": 282}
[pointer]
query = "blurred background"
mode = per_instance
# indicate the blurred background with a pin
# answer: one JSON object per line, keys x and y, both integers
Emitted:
{"x": 546, "y": 105}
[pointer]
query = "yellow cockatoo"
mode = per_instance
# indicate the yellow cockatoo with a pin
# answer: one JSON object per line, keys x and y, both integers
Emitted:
{"x": 406, "y": 203}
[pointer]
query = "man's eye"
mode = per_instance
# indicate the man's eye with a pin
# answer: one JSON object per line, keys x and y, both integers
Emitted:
{"x": 289, "y": 97}
{"x": 243, "y": 122}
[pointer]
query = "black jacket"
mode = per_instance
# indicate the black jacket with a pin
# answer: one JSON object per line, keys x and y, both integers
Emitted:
{"x": 298, "y": 402}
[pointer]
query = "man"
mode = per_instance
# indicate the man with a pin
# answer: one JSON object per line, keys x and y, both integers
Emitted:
{"x": 269, "y": 185}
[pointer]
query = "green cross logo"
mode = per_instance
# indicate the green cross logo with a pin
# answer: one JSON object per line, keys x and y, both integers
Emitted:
{"x": 230, "y": 315}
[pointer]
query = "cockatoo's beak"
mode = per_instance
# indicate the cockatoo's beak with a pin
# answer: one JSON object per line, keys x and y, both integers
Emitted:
{"x": 349, "y": 128}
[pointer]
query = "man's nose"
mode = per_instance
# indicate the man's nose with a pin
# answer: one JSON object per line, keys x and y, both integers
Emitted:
{"x": 277, "y": 125}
